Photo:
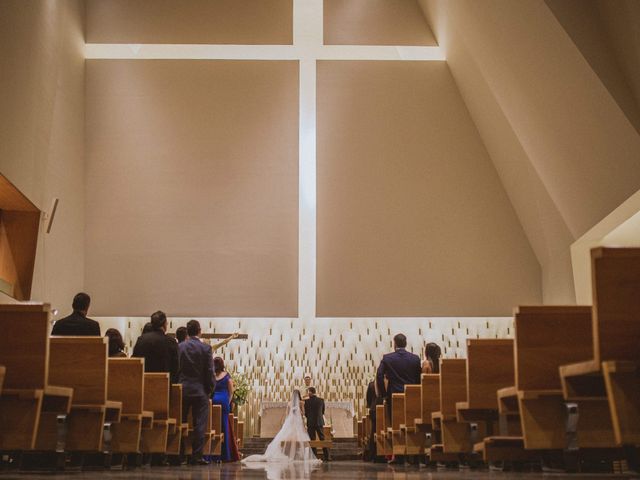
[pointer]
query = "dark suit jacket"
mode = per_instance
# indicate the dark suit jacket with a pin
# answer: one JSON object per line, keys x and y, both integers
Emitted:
{"x": 76, "y": 324}
{"x": 401, "y": 368}
{"x": 196, "y": 368}
{"x": 160, "y": 353}
{"x": 314, "y": 411}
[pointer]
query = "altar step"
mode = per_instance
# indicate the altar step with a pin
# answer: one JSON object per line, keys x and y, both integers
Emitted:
{"x": 343, "y": 448}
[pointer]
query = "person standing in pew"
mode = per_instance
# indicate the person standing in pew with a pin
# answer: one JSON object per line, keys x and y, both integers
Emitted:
{"x": 181, "y": 334}
{"x": 160, "y": 352}
{"x": 198, "y": 383}
{"x": 116, "y": 344}
{"x": 432, "y": 354}
{"x": 77, "y": 324}
{"x": 400, "y": 368}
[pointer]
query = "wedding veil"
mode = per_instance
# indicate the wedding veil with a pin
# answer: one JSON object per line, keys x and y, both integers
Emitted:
{"x": 291, "y": 443}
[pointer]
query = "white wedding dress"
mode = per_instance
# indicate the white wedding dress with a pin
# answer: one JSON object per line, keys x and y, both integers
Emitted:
{"x": 291, "y": 443}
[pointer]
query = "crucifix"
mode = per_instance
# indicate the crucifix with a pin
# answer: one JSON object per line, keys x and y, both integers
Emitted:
{"x": 226, "y": 336}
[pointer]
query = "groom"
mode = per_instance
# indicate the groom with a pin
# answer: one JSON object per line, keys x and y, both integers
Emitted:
{"x": 314, "y": 411}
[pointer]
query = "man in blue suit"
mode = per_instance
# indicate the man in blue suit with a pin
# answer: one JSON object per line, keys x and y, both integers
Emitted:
{"x": 400, "y": 368}
{"x": 198, "y": 382}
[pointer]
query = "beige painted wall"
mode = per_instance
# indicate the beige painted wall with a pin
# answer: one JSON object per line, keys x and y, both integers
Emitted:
{"x": 565, "y": 151}
{"x": 42, "y": 131}
{"x": 412, "y": 218}
{"x": 190, "y": 21}
{"x": 375, "y": 22}
{"x": 585, "y": 24}
{"x": 192, "y": 187}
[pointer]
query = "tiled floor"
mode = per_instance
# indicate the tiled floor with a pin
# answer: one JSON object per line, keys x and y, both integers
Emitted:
{"x": 330, "y": 471}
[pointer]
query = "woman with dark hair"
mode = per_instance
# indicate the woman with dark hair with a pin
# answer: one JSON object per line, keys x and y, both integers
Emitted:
{"x": 431, "y": 363}
{"x": 116, "y": 344}
{"x": 223, "y": 395}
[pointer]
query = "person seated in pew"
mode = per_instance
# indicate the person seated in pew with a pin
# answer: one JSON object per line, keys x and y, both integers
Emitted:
{"x": 181, "y": 334}
{"x": 77, "y": 324}
{"x": 400, "y": 368}
{"x": 432, "y": 354}
{"x": 160, "y": 352}
{"x": 116, "y": 344}
{"x": 198, "y": 382}
{"x": 148, "y": 327}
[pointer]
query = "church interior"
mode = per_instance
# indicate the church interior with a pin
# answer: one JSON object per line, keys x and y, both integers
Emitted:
{"x": 308, "y": 179}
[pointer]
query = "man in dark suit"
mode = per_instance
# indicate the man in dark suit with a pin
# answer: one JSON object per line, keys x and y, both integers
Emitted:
{"x": 77, "y": 324}
{"x": 314, "y": 411}
{"x": 198, "y": 382}
{"x": 160, "y": 352}
{"x": 400, "y": 368}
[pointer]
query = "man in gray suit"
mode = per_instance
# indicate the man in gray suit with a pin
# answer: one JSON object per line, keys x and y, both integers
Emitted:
{"x": 198, "y": 382}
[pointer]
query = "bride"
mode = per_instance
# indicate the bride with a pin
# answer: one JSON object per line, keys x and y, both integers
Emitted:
{"x": 291, "y": 443}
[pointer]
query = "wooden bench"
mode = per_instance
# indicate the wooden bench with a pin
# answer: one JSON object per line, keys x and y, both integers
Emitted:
{"x": 382, "y": 447}
{"x": 609, "y": 410}
{"x": 178, "y": 431}
{"x": 28, "y": 400}
{"x": 156, "y": 400}
{"x": 545, "y": 338}
{"x": 453, "y": 389}
{"x": 326, "y": 443}
{"x": 490, "y": 367}
{"x": 81, "y": 363}
{"x": 430, "y": 403}
{"x": 414, "y": 437}
{"x": 126, "y": 385}
{"x": 216, "y": 434}
{"x": 240, "y": 434}
{"x": 395, "y": 432}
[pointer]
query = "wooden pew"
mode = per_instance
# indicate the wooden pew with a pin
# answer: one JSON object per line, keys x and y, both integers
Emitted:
{"x": 430, "y": 403}
{"x": 395, "y": 432}
{"x": 453, "y": 389}
{"x": 216, "y": 434}
{"x": 545, "y": 338}
{"x": 240, "y": 434}
{"x": 3, "y": 372}
{"x": 28, "y": 399}
{"x": 414, "y": 437}
{"x": 156, "y": 400}
{"x": 609, "y": 409}
{"x": 381, "y": 431}
{"x": 509, "y": 412}
{"x": 176, "y": 428}
{"x": 126, "y": 385}
{"x": 81, "y": 363}
{"x": 326, "y": 443}
{"x": 490, "y": 367}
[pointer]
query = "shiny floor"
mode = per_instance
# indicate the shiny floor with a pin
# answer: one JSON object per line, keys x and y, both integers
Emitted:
{"x": 333, "y": 471}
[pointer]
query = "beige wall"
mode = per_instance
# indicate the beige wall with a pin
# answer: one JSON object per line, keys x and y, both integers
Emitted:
{"x": 584, "y": 23}
{"x": 192, "y": 187}
{"x": 412, "y": 218}
{"x": 42, "y": 131}
{"x": 190, "y": 21}
{"x": 565, "y": 151}
{"x": 375, "y": 22}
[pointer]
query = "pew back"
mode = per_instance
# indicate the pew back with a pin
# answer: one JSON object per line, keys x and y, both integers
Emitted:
{"x": 489, "y": 368}
{"x": 80, "y": 363}
{"x": 616, "y": 303}
{"x": 25, "y": 356}
{"x": 412, "y": 404}
{"x": 453, "y": 384}
{"x": 126, "y": 384}
{"x": 156, "y": 395}
{"x": 430, "y": 395}
{"x": 397, "y": 410}
{"x": 547, "y": 337}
